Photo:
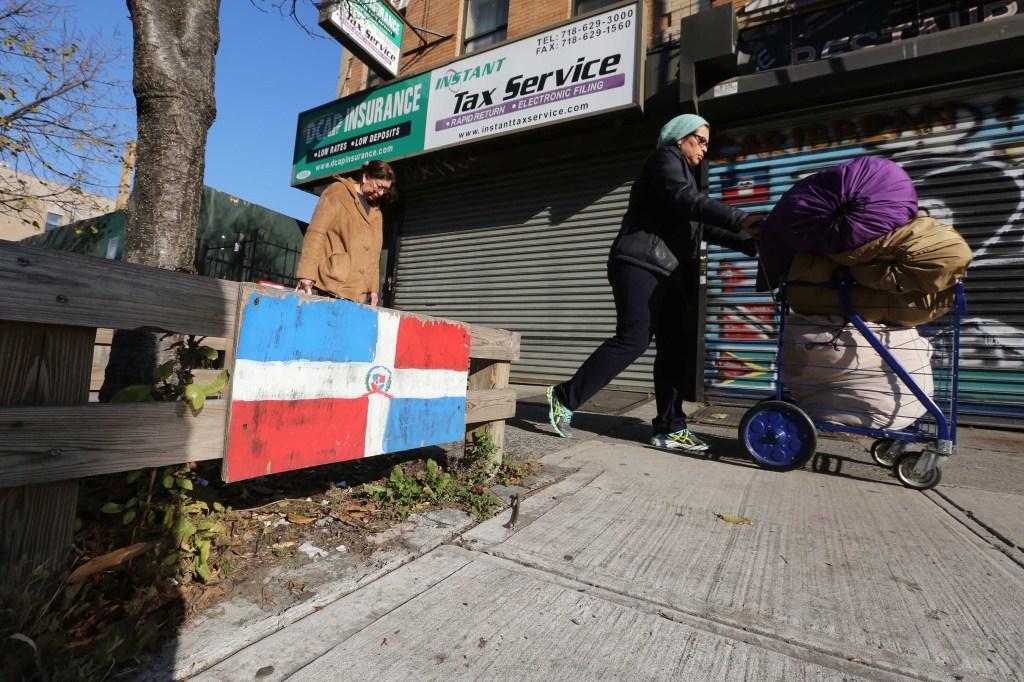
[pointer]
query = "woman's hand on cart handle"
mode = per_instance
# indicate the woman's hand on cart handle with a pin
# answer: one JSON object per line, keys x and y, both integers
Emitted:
{"x": 305, "y": 286}
{"x": 752, "y": 225}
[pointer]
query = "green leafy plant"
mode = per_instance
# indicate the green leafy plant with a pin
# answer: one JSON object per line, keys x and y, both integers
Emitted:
{"x": 398, "y": 493}
{"x": 401, "y": 493}
{"x": 175, "y": 379}
{"x": 169, "y": 501}
{"x": 437, "y": 483}
{"x": 512, "y": 472}
{"x": 174, "y": 499}
{"x": 481, "y": 449}
{"x": 474, "y": 494}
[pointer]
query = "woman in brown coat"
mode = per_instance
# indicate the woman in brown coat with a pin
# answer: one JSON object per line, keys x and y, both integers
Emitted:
{"x": 341, "y": 249}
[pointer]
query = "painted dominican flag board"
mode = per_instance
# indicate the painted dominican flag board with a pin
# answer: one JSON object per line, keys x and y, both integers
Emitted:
{"x": 327, "y": 380}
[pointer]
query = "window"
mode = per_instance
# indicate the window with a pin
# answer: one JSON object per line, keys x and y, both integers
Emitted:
{"x": 52, "y": 221}
{"x": 486, "y": 23}
{"x": 584, "y": 6}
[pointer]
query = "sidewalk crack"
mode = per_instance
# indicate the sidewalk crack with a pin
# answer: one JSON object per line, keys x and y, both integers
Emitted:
{"x": 1015, "y": 557}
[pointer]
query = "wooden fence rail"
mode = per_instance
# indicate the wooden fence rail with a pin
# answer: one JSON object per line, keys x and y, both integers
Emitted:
{"x": 52, "y": 305}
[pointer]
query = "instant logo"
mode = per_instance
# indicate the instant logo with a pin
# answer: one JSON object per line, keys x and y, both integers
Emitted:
{"x": 452, "y": 78}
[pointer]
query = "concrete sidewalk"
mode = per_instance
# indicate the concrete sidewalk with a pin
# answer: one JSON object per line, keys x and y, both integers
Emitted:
{"x": 625, "y": 569}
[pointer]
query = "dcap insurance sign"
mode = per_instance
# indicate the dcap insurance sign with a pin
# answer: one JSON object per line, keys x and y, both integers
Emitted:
{"x": 583, "y": 68}
{"x": 383, "y": 123}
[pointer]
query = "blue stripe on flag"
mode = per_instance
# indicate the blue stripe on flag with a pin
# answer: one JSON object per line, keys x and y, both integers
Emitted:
{"x": 413, "y": 422}
{"x": 301, "y": 328}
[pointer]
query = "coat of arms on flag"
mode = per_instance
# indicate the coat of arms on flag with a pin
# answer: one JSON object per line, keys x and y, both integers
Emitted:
{"x": 323, "y": 380}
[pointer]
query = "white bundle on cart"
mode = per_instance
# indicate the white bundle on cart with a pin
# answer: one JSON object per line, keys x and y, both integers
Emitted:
{"x": 836, "y": 376}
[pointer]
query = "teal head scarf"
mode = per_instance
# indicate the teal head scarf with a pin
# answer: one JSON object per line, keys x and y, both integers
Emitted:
{"x": 680, "y": 127}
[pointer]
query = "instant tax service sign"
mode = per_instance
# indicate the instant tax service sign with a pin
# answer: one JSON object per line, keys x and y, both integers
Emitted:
{"x": 586, "y": 67}
{"x": 384, "y": 124}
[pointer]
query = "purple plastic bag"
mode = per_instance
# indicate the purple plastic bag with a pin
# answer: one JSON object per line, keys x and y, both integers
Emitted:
{"x": 836, "y": 209}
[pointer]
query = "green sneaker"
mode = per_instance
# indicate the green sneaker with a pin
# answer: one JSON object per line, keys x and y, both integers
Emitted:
{"x": 684, "y": 440}
{"x": 559, "y": 415}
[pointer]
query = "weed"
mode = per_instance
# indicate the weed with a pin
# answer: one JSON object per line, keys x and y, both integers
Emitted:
{"x": 401, "y": 493}
{"x": 510, "y": 472}
{"x": 474, "y": 494}
{"x": 169, "y": 500}
{"x": 481, "y": 450}
{"x": 398, "y": 493}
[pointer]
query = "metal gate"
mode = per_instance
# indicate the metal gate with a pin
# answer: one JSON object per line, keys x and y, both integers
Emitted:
{"x": 965, "y": 153}
{"x": 524, "y": 250}
{"x": 248, "y": 258}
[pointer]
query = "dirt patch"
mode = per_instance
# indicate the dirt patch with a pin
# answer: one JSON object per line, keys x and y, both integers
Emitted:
{"x": 270, "y": 525}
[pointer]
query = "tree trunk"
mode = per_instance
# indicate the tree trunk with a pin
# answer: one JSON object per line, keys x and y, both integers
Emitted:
{"x": 175, "y": 44}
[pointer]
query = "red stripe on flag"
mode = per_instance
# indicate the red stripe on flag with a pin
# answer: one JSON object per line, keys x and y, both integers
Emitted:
{"x": 431, "y": 345}
{"x": 271, "y": 436}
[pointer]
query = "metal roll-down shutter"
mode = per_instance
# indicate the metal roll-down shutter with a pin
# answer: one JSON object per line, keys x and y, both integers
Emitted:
{"x": 524, "y": 250}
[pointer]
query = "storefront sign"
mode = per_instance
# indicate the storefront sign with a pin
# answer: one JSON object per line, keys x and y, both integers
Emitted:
{"x": 384, "y": 123}
{"x": 578, "y": 69}
{"x": 582, "y": 68}
{"x": 856, "y": 26}
{"x": 370, "y": 29}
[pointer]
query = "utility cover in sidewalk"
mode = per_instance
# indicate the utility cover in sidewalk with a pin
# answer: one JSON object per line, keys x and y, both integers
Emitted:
{"x": 718, "y": 415}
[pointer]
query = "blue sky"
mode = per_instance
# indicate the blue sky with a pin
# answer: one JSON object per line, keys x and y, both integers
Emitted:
{"x": 268, "y": 71}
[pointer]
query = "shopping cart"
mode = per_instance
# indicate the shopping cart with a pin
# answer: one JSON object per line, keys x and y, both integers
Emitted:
{"x": 781, "y": 435}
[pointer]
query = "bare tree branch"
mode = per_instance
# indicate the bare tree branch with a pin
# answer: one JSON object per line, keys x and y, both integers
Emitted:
{"x": 290, "y": 9}
{"x": 61, "y": 113}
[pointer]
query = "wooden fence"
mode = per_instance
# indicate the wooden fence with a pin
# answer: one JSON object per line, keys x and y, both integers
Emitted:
{"x": 52, "y": 305}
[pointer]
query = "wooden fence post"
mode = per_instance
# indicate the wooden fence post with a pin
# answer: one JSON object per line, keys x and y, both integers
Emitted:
{"x": 484, "y": 375}
{"x": 40, "y": 365}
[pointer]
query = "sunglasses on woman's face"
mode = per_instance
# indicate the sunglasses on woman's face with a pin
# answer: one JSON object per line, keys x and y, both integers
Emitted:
{"x": 701, "y": 140}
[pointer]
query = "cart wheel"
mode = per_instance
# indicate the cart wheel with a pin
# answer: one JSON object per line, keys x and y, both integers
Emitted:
{"x": 904, "y": 469}
{"x": 881, "y": 452}
{"x": 778, "y": 435}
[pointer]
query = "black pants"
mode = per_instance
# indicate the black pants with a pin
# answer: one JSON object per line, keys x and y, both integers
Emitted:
{"x": 646, "y": 306}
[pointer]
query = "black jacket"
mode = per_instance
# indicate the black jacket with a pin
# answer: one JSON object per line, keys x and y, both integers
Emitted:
{"x": 664, "y": 224}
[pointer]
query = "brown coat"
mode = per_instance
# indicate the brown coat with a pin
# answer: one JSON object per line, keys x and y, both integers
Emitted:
{"x": 341, "y": 250}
